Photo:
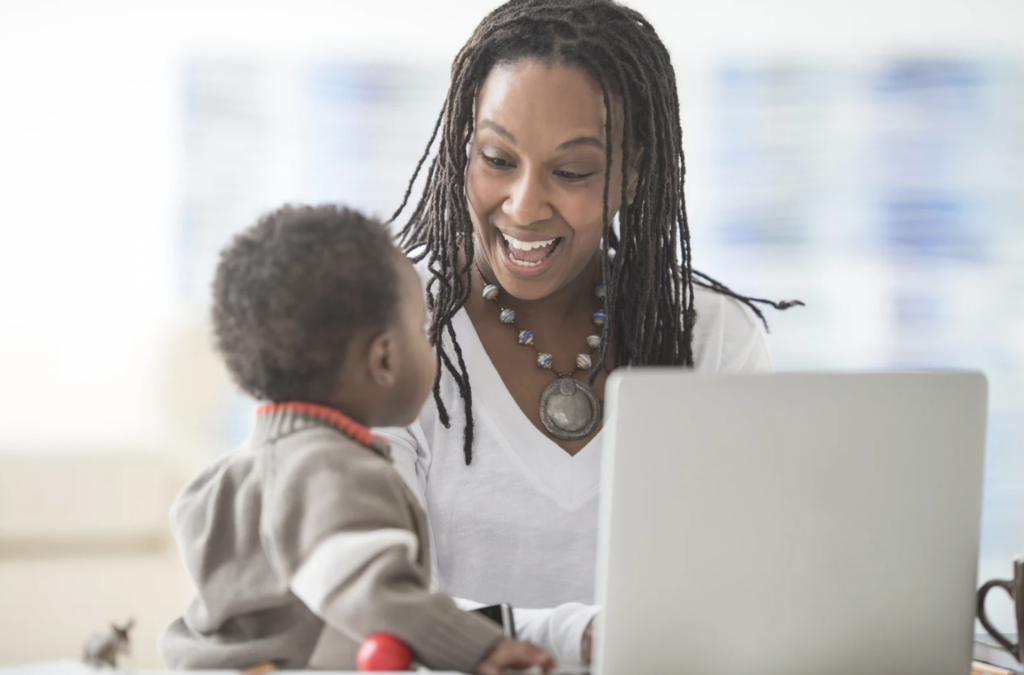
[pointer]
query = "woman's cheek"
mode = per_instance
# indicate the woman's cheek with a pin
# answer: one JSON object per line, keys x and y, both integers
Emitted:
{"x": 480, "y": 189}
{"x": 586, "y": 211}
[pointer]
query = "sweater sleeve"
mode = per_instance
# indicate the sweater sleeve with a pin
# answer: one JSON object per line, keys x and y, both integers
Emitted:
{"x": 339, "y": 530}
{"x": 558, "y": 630}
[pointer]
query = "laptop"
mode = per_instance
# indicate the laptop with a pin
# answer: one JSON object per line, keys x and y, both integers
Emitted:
{"x": 776, "y": 524}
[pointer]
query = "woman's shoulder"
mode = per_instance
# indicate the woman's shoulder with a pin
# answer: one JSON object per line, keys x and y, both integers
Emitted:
{"x": 727, "y": 335}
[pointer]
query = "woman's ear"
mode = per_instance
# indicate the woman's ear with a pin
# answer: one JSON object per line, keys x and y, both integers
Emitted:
{"x": 384, "y": 360}
{"x": 634, "y": 177}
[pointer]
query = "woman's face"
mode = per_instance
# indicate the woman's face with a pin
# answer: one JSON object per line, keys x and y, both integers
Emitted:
{"x": 535, "y": 176}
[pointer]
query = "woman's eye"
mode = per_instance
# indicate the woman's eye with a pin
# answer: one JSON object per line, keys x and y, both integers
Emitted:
{"x": 569, "y": 175}
{"x": 497, "y": 162}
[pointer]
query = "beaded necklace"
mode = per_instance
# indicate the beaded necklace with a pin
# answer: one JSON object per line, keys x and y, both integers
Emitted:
{"x": 569, "y": 408}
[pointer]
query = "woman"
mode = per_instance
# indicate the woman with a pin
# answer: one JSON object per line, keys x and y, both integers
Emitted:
{"x": 551, "y": 232}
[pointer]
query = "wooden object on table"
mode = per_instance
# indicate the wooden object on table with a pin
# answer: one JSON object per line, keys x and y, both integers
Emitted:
{"x": 979, "y": 668}
{"x": 261, "y": 669}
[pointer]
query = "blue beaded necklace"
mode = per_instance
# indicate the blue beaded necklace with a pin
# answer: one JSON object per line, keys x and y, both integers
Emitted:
{"x": 569, "y": 408}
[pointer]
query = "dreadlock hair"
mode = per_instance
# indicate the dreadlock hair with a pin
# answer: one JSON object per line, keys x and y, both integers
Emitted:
{"x": 651, "y": 267}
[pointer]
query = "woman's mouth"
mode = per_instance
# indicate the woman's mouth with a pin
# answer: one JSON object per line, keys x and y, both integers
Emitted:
{"x": 529, "y": 254}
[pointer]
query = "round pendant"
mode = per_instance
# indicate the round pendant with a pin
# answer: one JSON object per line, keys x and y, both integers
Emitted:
{"x": 569, "y": 409}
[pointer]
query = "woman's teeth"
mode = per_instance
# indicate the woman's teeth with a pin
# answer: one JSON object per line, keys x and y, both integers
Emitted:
{"x": 526, "y": 245}
{"x": 529, "y": 253}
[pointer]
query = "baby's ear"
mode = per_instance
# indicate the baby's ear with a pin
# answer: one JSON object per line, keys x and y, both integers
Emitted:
{"x": 384, "y": 359}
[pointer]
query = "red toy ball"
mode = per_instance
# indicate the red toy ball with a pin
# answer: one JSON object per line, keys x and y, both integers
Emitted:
{"x": 383, "y": 652}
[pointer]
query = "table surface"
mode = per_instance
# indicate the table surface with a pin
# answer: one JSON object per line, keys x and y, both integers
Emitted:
{"x": 74, "y": 667}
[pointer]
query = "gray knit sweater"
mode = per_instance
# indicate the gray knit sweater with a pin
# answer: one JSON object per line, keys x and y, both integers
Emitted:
{"x": 301, "y": 544}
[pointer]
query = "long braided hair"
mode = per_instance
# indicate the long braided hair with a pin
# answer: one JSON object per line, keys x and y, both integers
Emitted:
{"x": 651, "y": 265}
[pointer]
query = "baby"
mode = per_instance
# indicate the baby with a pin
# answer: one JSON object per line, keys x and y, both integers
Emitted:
{"x": 306, "y": 540}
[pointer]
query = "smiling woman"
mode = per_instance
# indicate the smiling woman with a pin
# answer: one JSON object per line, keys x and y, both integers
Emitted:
{"x": 557, "y": 184}
{"x": 535, "y": 177}
{"x": 534, "y": 184}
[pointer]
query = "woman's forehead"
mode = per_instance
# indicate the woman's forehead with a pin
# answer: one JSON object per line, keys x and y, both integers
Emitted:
{"x": 539, "y": 101}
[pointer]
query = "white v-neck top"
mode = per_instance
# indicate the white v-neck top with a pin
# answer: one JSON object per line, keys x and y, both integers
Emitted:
{"x": 519, "y": 524}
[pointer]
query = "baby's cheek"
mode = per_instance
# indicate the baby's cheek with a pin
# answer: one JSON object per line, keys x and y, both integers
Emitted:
{"x": 431, "y": 367}
{"x": 427, "y": 369}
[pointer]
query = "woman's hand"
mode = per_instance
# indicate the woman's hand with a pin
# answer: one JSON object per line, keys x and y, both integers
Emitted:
{"x": 515, "y": 654}
{"x": 587, "y": 642}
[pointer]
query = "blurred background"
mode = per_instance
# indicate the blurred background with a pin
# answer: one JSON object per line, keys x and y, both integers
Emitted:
{"x": 865, "y": 157}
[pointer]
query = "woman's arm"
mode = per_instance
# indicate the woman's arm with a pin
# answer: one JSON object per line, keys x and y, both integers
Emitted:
{"x": 560, "y": 631}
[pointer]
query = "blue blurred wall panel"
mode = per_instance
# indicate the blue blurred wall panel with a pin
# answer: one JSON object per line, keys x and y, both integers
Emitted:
{"x": 933, "y": 143}
{"x": 769, "y": 126}
{"x": 257, "y": 133}
{"x": 362, "y": 128}
{"x": 890, "y": 195}
{"x": 228, "y": 122}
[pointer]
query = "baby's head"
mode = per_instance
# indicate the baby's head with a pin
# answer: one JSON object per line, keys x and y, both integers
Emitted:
{"x": 316, "y": 304}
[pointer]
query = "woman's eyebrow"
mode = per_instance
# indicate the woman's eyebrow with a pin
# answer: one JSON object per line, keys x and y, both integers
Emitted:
{"x": 574, "y": 143}
{"x": 582, "y": 140}
{"x": 498, "y": 129}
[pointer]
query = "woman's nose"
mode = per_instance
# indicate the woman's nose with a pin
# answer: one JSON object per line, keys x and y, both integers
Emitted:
{"x": 527, "y": 203}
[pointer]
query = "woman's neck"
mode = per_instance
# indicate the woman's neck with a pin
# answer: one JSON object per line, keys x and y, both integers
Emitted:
{"x": 561, "y": 306}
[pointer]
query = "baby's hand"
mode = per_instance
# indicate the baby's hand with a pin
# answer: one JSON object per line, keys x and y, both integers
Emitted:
{"x": 515, "y": 654}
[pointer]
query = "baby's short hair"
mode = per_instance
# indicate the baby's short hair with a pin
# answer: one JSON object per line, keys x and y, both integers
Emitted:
{"x": 292, "y": 290}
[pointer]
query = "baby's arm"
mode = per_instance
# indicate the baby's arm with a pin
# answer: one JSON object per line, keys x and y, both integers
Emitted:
{"x": 341, "y": 534}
